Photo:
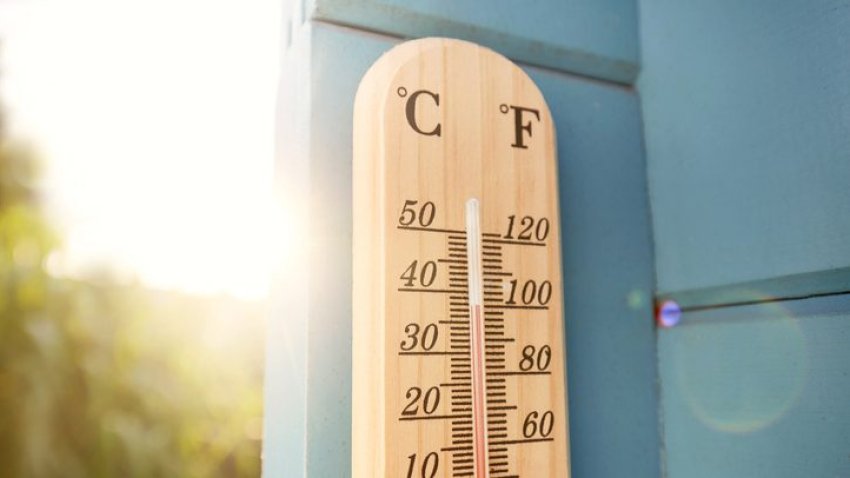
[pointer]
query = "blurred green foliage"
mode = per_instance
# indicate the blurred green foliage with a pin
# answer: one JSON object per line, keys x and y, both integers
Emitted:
{"x": 100, "y": 378}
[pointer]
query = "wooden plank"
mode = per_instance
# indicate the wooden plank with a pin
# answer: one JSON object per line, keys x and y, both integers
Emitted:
{"x": 747, "y": 141}
{"x": 286, "y": 376}
{"x": 457, "y": 270}
{"x": 608, "y": 271}
{"x": 796, "y": 286}
{"x": 607, "y": 266}
{"x": 307, "y": 423}
{"x": 596, "y": 38}
{"x": 758, "y": 390}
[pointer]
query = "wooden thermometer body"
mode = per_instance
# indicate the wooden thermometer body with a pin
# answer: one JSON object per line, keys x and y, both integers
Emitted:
{"x": 458, "y": 336}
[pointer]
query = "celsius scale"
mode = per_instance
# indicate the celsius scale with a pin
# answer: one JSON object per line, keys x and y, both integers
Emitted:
{"x": 458, "y": 328}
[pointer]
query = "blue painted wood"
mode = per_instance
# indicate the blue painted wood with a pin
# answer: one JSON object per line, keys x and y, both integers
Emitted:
{"x": 596, "y": 38}
{"x": 286, "y": 377}
{"x": 796, "y": 286}
{"x": 758, "y": 391}
{"x": 607, "y": 267}
{"x": 308, "y": 379}
{"x": 746, "y": 116}
{"x": 608, "y": 275}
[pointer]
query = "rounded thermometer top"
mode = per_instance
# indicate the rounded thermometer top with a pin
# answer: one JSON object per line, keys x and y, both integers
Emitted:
{"x": 459, "y": 364}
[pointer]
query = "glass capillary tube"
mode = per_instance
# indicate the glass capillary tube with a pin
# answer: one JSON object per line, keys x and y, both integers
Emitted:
{"x": 476, "y": 339}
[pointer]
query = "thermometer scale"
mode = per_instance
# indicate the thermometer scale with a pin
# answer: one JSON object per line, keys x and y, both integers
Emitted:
{"x": 458, "y": 330}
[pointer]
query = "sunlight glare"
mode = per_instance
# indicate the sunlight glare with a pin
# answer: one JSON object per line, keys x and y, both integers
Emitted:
{"x": 156, "y": 120}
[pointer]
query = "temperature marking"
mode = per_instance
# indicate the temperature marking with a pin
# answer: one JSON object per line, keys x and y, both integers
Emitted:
{"x": 457, "y": 332}
{"x": 430, "y": 229}
{"x": 476, "y": 338}
{"x": 519, "y": 243}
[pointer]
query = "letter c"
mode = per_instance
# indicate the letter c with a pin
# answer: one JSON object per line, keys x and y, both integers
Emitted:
{"x": 410, "y": 110}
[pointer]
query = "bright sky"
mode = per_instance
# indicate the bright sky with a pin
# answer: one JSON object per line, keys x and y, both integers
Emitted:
{"x": 156, "y": 120}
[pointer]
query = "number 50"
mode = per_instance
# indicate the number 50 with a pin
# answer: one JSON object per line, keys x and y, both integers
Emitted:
{"x": 424, "y": 217}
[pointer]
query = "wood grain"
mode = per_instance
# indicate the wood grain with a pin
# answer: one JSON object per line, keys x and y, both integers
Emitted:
{"x": 484, "y": 132}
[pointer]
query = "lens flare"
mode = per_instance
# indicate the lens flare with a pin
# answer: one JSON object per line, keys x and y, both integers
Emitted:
{"x": 744, "y": 374}
{"x": 669, "y": 314}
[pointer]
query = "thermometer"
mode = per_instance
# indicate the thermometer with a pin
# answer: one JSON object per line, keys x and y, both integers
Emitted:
{"x": 459, "y": 365}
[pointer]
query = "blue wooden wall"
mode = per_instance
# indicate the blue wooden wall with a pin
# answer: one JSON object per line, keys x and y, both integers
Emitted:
{"x": 596, "y": 38}
{"x": 719, "y": 179}
{"x": 758, "y": 390}
{"x": 746, "y": 109}
{"x": 329, "y": 45}
{"x": 747, "y": 113}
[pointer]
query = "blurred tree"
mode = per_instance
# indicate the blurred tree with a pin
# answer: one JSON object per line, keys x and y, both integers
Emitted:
{"x": 104, "y": 379}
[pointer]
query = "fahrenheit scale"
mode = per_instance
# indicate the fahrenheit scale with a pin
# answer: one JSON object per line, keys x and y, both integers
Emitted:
{"x": 458, "y": 331}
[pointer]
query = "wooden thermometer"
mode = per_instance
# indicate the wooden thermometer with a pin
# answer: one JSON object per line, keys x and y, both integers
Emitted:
{"x": 458, "y": 335}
